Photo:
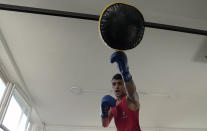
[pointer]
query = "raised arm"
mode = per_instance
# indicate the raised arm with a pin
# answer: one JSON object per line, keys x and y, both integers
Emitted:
{"x": 121, "y": 59}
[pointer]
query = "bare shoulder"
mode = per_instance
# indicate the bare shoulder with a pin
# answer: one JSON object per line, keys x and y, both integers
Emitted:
{"x": 132, "y": 104}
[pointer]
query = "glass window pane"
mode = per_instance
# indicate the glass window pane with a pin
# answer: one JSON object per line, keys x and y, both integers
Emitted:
{"x": 13, "y": 115}
{"x": 28, "y": 126}
{"x": 22, "y": 123}
{"x": 2, "y": 88}
{"x": 17, "y": 115}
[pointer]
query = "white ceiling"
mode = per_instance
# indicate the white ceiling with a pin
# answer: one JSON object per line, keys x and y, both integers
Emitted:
{"x": 53, "y": 54}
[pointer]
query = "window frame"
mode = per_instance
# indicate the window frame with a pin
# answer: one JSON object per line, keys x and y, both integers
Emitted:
{"x": 5, "y": 101}
{"x": 4, "y": 128}
{"x": 21, "y": 99}
{"x": 6, "y": 82}
{"x": 5, "y": 98}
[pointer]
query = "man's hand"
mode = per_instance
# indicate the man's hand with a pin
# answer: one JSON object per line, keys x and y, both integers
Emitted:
{"x": 107, "y": 102}
{"x": 121, "y": 59}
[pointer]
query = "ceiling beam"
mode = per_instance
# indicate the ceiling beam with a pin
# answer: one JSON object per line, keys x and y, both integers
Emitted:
{"x": 83, "y": 16}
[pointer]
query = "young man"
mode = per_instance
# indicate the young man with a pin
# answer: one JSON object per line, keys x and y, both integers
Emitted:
{"x": 125, "y": 109}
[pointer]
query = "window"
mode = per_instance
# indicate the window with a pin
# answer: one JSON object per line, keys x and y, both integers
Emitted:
{"x": 17, "y": 115}
{"x": 14, "y": 108}
{"x": 2, "y": 88}
{"x": 2, "y": 128}
{"x": 28, "y": 126}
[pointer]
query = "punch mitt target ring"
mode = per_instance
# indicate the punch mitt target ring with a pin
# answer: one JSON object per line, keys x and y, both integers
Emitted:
{"x": 121, "y": 26}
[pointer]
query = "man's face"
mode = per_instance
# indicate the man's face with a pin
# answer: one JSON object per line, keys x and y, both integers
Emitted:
{"x": 118, "y": 88}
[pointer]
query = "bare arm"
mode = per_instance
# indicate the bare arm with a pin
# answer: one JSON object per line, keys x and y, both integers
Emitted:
{"x": 106, "y": 121}
{"x": 121, "y": 59}
{"x": 132, "y": 95}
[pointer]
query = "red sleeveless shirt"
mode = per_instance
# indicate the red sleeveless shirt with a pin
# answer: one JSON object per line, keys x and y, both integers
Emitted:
{"x": 124, "y": 118}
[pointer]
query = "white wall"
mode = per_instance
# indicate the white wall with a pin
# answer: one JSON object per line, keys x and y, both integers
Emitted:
{"x": 37, "y": 124}
{"x": 13, "y": 75}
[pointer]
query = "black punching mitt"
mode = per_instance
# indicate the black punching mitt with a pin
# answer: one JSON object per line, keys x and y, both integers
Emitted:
{"x": 121, "y": 26}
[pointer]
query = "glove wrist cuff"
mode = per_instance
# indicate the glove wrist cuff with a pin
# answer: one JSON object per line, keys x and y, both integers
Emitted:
{"x": 127, "y": 77}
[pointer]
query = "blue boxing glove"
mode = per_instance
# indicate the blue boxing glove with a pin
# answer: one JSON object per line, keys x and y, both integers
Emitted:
{"x": 107, "y": 102}
{"x": 121, "y": 59}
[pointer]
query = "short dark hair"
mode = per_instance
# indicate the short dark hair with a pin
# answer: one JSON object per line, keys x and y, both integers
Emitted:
{"x": 117, "y": 77}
